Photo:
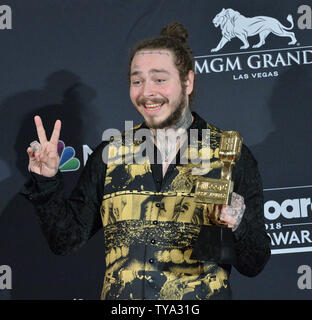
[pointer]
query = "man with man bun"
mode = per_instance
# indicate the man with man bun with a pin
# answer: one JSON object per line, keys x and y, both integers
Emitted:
{"x": 159, "y": 242}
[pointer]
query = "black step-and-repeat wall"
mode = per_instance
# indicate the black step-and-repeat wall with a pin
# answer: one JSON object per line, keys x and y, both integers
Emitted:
{"x": 68, "y": 60}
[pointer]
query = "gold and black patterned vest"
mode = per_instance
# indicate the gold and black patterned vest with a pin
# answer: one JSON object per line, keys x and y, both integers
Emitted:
{"x": 149, "y": 235}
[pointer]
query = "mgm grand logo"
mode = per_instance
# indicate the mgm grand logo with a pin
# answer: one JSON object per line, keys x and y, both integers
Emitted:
{"x": 235, "y": 25}
{"x": 250, "y": 62}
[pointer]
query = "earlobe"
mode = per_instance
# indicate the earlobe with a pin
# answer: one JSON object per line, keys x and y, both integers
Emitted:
{"x": 190, "y": 82}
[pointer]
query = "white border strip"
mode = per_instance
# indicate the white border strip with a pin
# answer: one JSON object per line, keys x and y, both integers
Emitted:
{"x": 296, "y": 224}
{"x": 292, "y": 250}
{"x": 246, "y": 52}
{"x": 288, "y": 188}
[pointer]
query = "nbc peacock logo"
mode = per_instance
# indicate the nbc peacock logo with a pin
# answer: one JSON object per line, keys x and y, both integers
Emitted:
{"x": 68, "y": 162}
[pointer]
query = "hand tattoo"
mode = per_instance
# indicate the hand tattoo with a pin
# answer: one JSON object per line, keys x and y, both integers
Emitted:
{"x": 235, "y": 211}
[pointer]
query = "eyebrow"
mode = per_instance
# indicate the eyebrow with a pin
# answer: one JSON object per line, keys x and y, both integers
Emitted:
{"x": 152, "y": 71}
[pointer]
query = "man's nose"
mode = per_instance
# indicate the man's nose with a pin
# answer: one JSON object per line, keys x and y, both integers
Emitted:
{"x": 148, "y": 89}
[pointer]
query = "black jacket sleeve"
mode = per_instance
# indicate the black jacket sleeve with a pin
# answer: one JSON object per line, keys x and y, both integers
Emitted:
{"x": 251, "y": 243}
{"x": 68, "y": 224}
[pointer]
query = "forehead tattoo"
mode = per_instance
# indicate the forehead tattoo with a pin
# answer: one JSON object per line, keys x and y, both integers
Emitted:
{"x": 152, "y": 52}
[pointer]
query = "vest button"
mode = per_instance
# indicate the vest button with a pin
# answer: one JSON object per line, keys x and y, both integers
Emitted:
{"x": 153, "y": 241}
{"x": 157, "y": 204}
{"x": 155, "y": 222}
{"x": 151, "y": 260}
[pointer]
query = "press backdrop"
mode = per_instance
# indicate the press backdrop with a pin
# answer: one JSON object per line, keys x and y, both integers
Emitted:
{"x": 68, "y": 60}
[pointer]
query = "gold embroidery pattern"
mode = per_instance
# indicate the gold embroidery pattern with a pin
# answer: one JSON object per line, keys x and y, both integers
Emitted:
{"x": 128, "y": 213}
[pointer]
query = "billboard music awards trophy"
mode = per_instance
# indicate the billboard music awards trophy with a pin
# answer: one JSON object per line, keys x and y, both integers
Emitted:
{"x": 213, "y": 193}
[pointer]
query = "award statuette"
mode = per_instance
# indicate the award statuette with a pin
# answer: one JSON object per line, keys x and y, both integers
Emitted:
{"x": 219, "y": 191}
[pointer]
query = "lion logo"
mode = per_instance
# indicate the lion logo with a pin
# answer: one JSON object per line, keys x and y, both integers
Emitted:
{"x": 233, "y": 24}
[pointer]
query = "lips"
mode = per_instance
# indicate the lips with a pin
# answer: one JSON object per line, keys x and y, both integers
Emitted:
{"x": 152, "y": 107}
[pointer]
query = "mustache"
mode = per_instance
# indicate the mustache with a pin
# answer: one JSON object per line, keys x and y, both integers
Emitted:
{"x": 143, "y": 101}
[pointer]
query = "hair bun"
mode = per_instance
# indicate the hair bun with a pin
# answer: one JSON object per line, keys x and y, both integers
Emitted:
{"x": 175, "y": 30}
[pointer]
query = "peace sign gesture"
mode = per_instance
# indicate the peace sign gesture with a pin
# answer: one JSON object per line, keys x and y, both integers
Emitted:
{"x": 43, "y": 156}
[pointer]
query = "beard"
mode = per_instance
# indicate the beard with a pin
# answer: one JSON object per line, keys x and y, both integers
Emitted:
{"x": 173, "y": 118}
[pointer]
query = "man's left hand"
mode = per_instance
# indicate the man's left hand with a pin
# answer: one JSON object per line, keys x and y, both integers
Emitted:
{"x": 232, "y": 214}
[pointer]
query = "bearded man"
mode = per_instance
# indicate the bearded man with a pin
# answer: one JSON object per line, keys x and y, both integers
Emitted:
{"x": 159, "y": 242}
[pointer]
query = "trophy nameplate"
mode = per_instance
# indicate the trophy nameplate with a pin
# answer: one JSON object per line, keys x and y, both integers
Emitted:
{"x": 217, "y": 191}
